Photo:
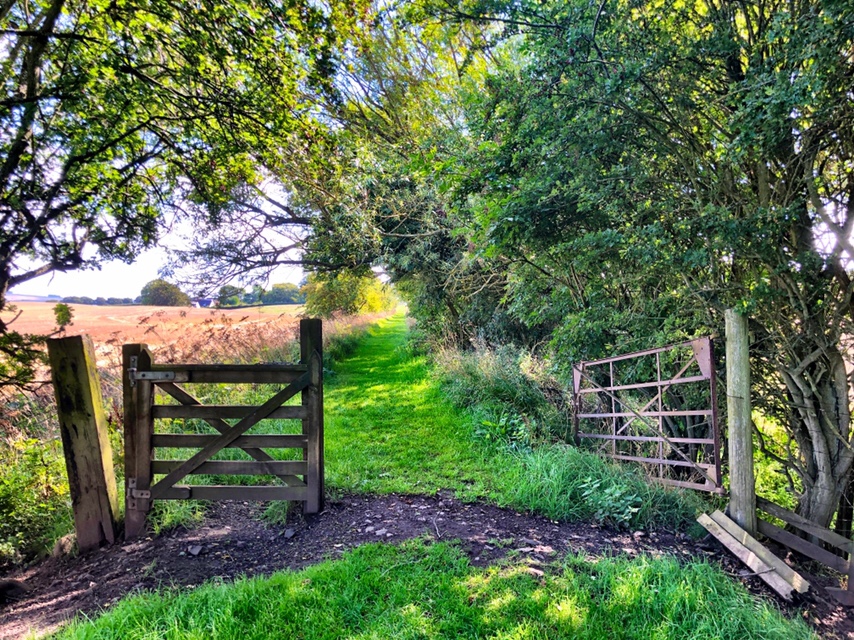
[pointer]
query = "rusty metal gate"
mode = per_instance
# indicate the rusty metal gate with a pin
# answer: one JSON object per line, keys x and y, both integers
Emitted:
{"x": 657, "y": 408}
{"x": 299, "y": 480}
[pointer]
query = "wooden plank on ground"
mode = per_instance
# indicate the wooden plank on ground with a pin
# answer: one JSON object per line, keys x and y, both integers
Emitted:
{"x": 802, "y": 546}
{"x": 197, "y": 441}
{"x": 237, "y": 467}
{"x": 222, "y": 412}
{"x": 766, "y": 573}
{"x": 763, "y": 553}
{"x": 805, "y": 525}
{"x": 231, "y": 492}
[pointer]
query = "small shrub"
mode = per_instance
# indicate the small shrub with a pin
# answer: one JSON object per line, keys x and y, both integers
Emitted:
{"x": 279, "y": 512}
{"x": 507, "y": 429}
{"x": 168, "y": 514}
{"x": 341, "y": 345}
{"x": 614, "y": 505}
{"x": 507, "y": 379}
{"x": 553, "y": 479}
{"x": 35, "y": 507}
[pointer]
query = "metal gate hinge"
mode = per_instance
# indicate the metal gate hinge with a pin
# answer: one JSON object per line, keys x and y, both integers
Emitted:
{"x": 137, "y": 494}
{"x": 132, "y": 370}
{"x": 158, "y": 376}
{"x": 154, "y": 376}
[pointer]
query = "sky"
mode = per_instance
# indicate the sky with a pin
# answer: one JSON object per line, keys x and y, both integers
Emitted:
{"x": 116, "y": 279}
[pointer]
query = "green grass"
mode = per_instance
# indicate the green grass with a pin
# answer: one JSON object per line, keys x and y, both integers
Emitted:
{"x": 422, "y": 590}
{"x": 389, "y": 428}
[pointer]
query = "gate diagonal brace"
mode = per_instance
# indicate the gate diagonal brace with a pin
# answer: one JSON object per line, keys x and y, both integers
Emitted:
{"x": 656, "y": 430}
{"x": 230, "y": 436}
{"x": 185, "y": 398}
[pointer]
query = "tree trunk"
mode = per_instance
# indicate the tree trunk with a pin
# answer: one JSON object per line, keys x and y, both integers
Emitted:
{"x": 845, "y": 514}
{"x": 820, "y": 390}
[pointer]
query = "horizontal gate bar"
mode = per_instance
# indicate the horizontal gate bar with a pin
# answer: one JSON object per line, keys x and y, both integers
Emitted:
{"x": 670, "y": 463}
{"x": 647, "y": 414}
{"x": 232, "y": 376}
{"x": 192, "y": 441}
{"x": 706, "y": 486}
{"x": 642, "y": 385}
{"x": 608, "y": 436}
{"x": 237, "y": 368}
{"x": 237, "y": 467}
{"x": 223, "y": 412}
{"x": 639, "y": 354}
{"x": 229, "y": 492}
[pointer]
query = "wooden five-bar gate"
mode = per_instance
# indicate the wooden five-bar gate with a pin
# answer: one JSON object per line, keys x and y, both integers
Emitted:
{"x": 657, "y": 408}
{"x": 150, "y": 478}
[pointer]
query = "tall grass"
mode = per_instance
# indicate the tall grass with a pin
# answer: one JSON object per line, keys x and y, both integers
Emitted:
{"x": 516, "y": 406}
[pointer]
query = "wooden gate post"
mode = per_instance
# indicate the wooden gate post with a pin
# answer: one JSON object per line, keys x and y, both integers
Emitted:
{"x": 742, "y": 484}
{"x": 139, "y": 427}
{"x": 83, "y": 428}
{"x": 311, "y": 354}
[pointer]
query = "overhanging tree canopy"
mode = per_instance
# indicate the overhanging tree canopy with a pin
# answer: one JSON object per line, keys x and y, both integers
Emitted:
{"x": 116, "y": 113}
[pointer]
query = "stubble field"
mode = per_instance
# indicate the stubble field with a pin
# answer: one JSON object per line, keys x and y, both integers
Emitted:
{"x": 153, "y": 325}
{"x": 174, "y": 334}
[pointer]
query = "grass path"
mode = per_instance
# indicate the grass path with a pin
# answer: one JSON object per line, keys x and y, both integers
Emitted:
{"x": 389, "y": 429}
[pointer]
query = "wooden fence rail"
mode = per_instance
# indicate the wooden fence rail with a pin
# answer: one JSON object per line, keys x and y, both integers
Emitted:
{"x": 806, "y": 548}
{"x": 300, "y": 480}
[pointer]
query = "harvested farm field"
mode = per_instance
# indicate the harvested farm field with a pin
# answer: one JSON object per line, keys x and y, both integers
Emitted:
{"x": 136, "y": 323}
{"x": 173, "y": 333}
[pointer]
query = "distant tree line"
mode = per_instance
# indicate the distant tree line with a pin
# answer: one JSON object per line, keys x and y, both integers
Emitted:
{"x": 282, "y": 293}
{"x": 349, "y": 292}
{"x": 100, "y": 301}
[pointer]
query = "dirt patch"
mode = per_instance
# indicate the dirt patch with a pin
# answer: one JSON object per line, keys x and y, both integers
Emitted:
{"x": 233, "y": 542}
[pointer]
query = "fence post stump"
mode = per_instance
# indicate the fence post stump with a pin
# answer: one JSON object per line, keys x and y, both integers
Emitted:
{"x": 311, "y": 354}
{"x": 742, "y": 485}
{"x": 85, "y": 443}
{"x": 138, "y": 427}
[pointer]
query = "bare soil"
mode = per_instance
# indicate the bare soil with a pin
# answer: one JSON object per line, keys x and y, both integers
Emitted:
{"x": 233, "y": 541}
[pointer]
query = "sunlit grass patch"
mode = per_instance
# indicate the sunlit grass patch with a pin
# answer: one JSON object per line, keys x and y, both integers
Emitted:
{"x": 425, "y": 590}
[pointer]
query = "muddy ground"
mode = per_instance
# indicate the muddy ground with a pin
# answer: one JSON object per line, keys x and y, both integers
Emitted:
{"x": 234, "y": 541}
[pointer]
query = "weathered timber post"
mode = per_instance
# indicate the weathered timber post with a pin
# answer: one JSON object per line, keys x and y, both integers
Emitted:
{"x": 311, "y": 354}
{"x": 742, "y": 485}
{"x": 139, "y": 428}
{"x": 83, "y": 428}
